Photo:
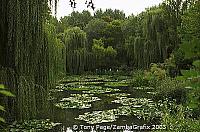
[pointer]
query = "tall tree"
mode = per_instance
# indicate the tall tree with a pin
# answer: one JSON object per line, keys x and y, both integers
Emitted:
{"x": 79, "y": 19}
{"x": 111, "y": 14}
{"x": 75, "y": 41}
{"x": 95, "y": 29}
{"x": 24, "y": 56}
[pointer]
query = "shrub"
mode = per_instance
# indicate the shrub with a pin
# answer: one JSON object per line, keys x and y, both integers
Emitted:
{"x": 149, "y": 78}
{"x": 155, "y": 73}
{"x": 139, "y": 80}
{"x": 176, "y": 118}
{"x": 171, "y": 67}
{"x": 192, "y": 80}
{"x": 173, "y": 89}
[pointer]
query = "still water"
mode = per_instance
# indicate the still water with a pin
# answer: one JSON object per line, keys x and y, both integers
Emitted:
{"x": 102, "y": 103}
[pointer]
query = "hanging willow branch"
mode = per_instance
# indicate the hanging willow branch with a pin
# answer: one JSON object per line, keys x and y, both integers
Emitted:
{"x": 89, "y": 3}
{"x": 25, "y": 49}
{"x": 75, "y": 41}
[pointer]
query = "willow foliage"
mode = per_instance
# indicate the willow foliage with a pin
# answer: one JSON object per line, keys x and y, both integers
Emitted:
{"x": 57, "y": 55}
{"x": 151, "y": 44}
{"x": 129, "y": 45}
{"x": 138, "y": 52}
{"x": 24, "y": 50}
{"x": 75, "y": 42}
{"x": 156, "y": 33}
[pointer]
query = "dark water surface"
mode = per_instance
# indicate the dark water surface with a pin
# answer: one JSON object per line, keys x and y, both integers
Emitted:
{"x": 116, "y": 105}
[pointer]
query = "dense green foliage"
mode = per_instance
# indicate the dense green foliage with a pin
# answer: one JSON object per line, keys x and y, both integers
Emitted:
{"x": 27, "y": 50}
{"x": 5, "y": 92}
{"x": 139, "y": 40}
{"x": 161, "y": 46}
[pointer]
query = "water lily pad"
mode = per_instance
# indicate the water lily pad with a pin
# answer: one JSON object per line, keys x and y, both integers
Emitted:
{"x": 143, "y": 88}
{"x": 110, "y": 88}
{"x": 98, "y": 117}
{"x": 86, "y": 98}
{"x": 132, "y": 101}
{"x": 118, "y": 95}
{"x": 139, "y": 107}
{"x": 33, "y": 126}
{"x": 73, "y": 105}
{"x": 123, "y": 110}
{"x": 100, "y": 90}
{"x": 105, "y": 116}
{"x": 117, "y": 84}
{"x": 79, "y": 101}
{"x": 86, "y": 83}
{"x": 90, "y": 78}
{"x": 153, "y": 93}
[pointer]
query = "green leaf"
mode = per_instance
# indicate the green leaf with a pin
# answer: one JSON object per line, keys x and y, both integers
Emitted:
{"x": 191, "y": 48}
{"x": 2, "y": 86}
{"x": 196, "y": 63}
{"x": 180, "y": 78}
{"x": 7, "y": 93}
{"x": 195, "y": 85}
{"x": 2, "y": 108}
{"x": 1, "y": 119}
{"x": 189, "y": 73}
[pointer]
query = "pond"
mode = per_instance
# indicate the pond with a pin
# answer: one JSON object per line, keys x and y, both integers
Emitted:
{"x": 98, "y": 103}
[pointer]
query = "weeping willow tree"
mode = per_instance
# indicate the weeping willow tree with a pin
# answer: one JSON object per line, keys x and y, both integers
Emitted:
{"x": 99, "y": 52}
{"x": 57, "y": 54}
{"x": 129, "y": 45}
{"x": 25, "y": 56}
{"x": 148, "y": 53}
{"x": 139, "y": 52}
{"x": 156, "y": 35}
{"x": 75, "y": 41}
{"x": 150, "y": 39}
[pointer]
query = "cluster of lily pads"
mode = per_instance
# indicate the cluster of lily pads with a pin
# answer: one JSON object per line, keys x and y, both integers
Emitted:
{"x": 135, "y": 102}
{"x": 117, "y": 84}
{"x": 139, "y": 107}
{"x": 33, "y": 126}
{"x": 100, "y": 90}
{"x": 79, "y": 78}
{"x": 118, "y": 95}
{"x": 88, "y": 78}
{"x": 85, "y": 89}
{"x": 79, "y": 101}
{"x": 153, "y": 93}
{"x": 96, "y": 117}
{"x": 86, "y": 83}
{"x": 75, "y": 86}
{"x": 143, "y": 88}
{"x": 104, "y": 116}
{"x": 89, "y": 87}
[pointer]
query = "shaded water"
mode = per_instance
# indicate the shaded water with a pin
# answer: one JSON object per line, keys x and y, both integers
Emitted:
{"x": 99, "y": 103}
